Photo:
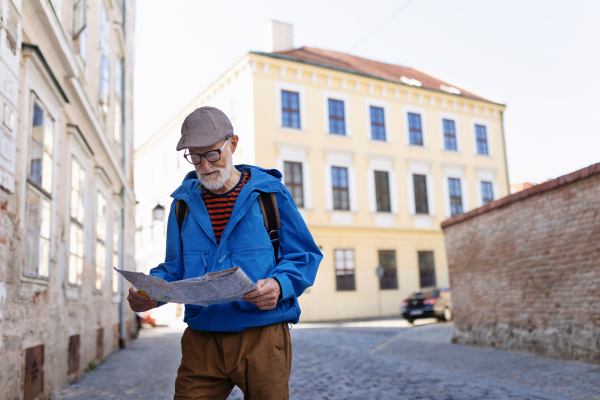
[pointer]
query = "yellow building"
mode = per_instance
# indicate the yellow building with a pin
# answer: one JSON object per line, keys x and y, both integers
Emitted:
{"x": 376, "y": 156}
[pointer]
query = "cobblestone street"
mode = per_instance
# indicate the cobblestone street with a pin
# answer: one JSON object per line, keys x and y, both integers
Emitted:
{"x": 365, "y": 360}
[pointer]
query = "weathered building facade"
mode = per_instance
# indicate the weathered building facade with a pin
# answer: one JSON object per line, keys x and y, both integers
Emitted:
{"x": 525, "y": 270}
{"x": 66, "y": 188}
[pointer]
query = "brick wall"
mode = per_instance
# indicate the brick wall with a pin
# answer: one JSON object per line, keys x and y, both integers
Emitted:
{"x": 525, "y": 270}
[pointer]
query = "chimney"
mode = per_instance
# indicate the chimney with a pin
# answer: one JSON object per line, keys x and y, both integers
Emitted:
{"x": 279, "y": 36}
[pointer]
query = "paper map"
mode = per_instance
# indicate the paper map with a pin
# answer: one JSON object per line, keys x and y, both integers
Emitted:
{"x": 213, "y": 288}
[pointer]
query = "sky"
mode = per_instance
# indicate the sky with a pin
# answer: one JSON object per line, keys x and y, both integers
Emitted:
{"x": 539, "y": 57}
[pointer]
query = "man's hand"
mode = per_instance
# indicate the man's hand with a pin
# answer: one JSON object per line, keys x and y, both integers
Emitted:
{"x": 266, "y": 296}
{"x": 140, "y": 302}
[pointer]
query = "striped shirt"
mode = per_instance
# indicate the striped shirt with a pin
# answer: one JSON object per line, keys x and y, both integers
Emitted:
{"x": 219, "y": 206}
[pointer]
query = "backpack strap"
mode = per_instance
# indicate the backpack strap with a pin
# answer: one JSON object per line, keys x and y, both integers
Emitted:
{"x": 270, "y": 212}
{"x": 181, "y": 211}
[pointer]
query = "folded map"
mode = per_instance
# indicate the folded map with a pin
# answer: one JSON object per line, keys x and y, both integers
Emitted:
{"x": 213, "y": 288}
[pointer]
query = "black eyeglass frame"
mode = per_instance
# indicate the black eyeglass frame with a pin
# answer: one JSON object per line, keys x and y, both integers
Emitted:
{"x": 205, "y": 155}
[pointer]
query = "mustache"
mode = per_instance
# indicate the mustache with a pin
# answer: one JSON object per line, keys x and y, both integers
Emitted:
{"x": 211, "y": 170}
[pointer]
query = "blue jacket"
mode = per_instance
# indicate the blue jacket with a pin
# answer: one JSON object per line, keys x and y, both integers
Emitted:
{"x": 245, "y": 244}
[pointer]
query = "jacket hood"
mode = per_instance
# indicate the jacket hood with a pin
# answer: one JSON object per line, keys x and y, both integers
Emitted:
{"x": 266, "y": 180}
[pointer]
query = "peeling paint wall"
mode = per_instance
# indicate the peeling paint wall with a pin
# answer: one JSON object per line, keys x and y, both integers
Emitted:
{"x": 41, "y": 308}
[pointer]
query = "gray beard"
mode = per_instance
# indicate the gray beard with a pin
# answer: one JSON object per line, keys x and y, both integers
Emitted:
{"x": 223, "y": 174}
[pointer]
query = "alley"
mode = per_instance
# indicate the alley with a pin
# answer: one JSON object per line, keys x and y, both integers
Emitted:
{"x": 367, "y": 360}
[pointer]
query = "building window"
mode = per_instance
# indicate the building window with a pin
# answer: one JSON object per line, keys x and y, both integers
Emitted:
{"x": 339, "y": 180}
{"x": 76, "y": 224}
{"x": 344, "y": 269}
{"x": 382, "y": 191}
{"x": 39, "y": 192}
{"x": 455, "y": 196}
{"x": 487, "y": 193}
{"x": 377, "y": 123}
{"x": 415, "y": 129}
{"x": 449, "y": 135}
{"x": 104, "y": 60}
{"x": 336, "y": 117}
{"x": 481, "y": 135}
{"x": 79, "y": 29}
{"x": 420, "y": 189}
{"x": 100, "y": 241}
{"x": 426, "y": 269}
{"x": 120, "y": 101}
{"x": 115, "y": 274}
{"x": 387, "y": 259}
{"x": 290, "y": 109}
{"x": 293, "y": 181}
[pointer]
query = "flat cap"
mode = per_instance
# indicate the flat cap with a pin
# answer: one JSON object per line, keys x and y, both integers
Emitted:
{"x": 204, "y": 127}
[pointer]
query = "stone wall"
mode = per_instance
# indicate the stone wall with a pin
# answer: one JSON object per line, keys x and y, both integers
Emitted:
{"x": 525, "y": 270}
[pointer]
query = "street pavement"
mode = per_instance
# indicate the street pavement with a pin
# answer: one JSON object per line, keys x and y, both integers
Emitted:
{"x": 385, "y": 359}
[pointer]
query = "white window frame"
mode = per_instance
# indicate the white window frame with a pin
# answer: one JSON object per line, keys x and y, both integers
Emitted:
{"x": 37, "y": 84}
{"x": 297, "y": 154}
{"x": 291, "y": 87}
{"x": 79, "y": 151}
{"x": 385, "y": 165}
{"x": 486, "y": 176}
{"x": 420, "y": 169}
{"x": 457, "y": 173}
{"x": 386, "y": 115}
{"x": 456, "y": 119}
{"x": 415, "y": 110}
{"x": 486, "y": 123}
{"x": 340, "y": 159}
{"x": 102, "y": 186}
{"x": 117, "y": 207}
{"x": 334, "y": 95}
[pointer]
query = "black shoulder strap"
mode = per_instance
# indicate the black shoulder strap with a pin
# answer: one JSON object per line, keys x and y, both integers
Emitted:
{"x": 181, "y": 210}
{"x": 270, "y": 212}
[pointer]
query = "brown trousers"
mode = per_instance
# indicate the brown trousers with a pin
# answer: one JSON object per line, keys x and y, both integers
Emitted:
{"x": 258, "y": 360}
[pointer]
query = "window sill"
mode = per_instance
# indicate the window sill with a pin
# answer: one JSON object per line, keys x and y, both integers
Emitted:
{"x": 422, "y": 221}
{"x": 342, "y": 217}
{"x": 72, "y": 292}
{"x": 31, "y": 278}
{"x": 451, "y": 151}
{"x": 347, "y": 137}
{"x": 417, "y": 146}
{"x": 291, "y": 130}
{"x": 483, "y": 155}
{"x": 377, "y": 141}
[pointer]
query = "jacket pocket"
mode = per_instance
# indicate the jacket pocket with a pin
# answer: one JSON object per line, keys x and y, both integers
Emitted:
{"x": 257, "y": 262}
{"x": 195, "y": 263}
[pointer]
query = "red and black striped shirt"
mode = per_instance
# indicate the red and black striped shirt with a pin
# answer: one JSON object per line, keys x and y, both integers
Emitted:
{"x": 219, "y": 206}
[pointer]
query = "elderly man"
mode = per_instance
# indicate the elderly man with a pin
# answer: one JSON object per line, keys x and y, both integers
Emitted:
{"x": 244, "y": 343}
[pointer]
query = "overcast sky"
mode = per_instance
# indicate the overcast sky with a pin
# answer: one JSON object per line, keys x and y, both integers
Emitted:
{"x": 540, "y": 57}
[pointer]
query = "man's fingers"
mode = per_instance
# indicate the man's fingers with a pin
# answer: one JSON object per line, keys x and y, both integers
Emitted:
{"x": 134, "y": 293}
{"x": 266, "y": 297}
{"x": 255, "y": 293}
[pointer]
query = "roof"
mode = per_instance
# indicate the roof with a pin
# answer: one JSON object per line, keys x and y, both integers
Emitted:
{"x": 564, "y": 180}
{"x": 369, "y": 68}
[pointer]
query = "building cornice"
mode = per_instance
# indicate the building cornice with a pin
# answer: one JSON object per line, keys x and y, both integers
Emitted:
{"x": 362, "y": 74}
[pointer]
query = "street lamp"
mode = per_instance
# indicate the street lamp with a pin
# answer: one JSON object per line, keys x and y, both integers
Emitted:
{"x": 158, "y": 213}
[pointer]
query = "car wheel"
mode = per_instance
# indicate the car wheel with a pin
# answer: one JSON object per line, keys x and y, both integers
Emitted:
{"x": 447, "y": 314}
{"x": 410, "y": 320}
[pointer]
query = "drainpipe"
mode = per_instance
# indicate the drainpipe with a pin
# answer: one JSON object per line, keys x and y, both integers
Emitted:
{"x": 122, "y": 322}
{"x": 505, "y": 155}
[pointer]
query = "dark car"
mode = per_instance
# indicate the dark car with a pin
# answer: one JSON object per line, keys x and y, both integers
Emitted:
{"x": 428, "y": 303}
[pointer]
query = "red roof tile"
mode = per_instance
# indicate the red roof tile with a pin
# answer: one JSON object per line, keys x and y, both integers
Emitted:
{"x": 363, "y": 66}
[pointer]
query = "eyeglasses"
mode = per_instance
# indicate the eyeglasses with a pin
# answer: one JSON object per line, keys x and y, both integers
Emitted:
{"x": 211, "y": 156}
